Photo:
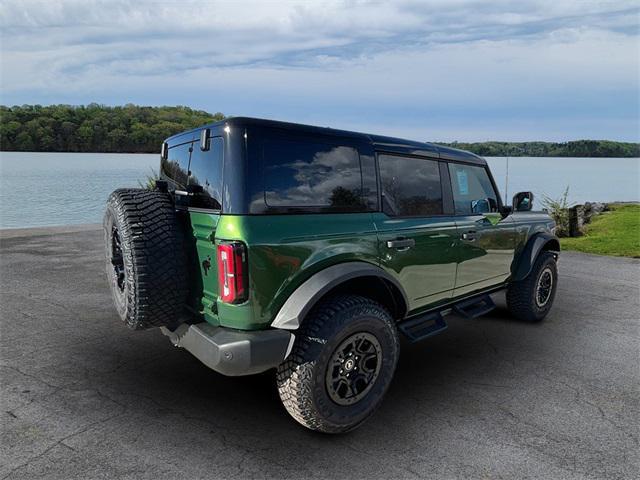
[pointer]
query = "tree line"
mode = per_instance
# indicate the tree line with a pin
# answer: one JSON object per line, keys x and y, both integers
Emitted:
{"x": 94, "y": 128}
{"x": 136, "y": 129}
{"x": 577, "y": 148}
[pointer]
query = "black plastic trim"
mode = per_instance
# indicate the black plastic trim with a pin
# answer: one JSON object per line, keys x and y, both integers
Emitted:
{"x": 447, "y": 192}
{"x": 313, "y": 289}
{"x": 233, "y": 352}
{"x": 523, "y": 264}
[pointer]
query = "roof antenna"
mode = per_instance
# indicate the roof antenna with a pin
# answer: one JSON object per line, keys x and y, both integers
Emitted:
{"x": 506, "y": 181}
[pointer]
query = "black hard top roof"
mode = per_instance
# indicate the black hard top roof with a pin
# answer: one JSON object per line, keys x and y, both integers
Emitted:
{"x": 380, "y": 142}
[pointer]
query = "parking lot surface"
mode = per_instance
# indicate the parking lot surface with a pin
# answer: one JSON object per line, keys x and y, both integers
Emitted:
{"x": 84, "y": 397}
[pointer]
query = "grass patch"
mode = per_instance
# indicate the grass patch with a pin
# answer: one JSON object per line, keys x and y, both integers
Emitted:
{"x": 611, "y": 233}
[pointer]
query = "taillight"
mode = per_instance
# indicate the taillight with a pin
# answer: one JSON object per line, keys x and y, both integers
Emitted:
{"x": 232, "y": 260}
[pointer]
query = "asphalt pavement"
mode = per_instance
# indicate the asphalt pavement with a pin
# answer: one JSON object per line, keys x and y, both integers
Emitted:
{"x": 84, "y": 397}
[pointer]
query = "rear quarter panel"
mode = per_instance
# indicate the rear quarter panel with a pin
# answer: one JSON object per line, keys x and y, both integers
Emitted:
{"x": 285, "y": 250}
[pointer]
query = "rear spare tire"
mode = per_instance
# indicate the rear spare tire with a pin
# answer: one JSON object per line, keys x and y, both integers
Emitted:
{"x": 145, "y": 258}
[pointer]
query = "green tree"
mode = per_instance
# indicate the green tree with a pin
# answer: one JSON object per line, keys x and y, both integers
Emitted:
{"x": 94, "y": 127}
{"x": 578, "y": 148}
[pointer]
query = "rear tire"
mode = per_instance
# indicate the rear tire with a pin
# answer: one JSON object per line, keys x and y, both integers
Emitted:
{"x": 145, "y": 258}
{"x": 531, "y": 299}
{"x": 341, "y": 365}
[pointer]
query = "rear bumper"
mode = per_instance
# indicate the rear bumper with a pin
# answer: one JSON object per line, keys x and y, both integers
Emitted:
{"x": 233, "y": 352}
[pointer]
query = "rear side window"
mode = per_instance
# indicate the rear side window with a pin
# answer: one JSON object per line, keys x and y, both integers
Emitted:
{"x": 473, "y": 192}
{"x": 205, "y": 171}
{"x": 410, "y": 186}
{"x": 188, "y": 168}
{"x": 306, "y": 174}
{"x": 175, "y": 168}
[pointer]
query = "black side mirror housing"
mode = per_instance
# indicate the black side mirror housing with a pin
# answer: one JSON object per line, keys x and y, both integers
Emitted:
{"x": 523, "y": 201}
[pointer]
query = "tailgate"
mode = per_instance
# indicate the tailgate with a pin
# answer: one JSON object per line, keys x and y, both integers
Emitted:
{"x": 203, "y": 226}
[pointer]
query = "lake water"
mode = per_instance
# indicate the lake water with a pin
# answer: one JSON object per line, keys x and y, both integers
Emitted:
{"x": 41, "y": 189}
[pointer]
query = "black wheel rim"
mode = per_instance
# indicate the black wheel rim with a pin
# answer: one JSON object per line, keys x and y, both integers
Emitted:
{"x": 117, "y": 260}
{"x": 353, "y": 368}
{"x": 544, "y": 287}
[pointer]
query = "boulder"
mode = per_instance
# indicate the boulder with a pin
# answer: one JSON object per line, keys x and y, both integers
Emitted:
{"x": 579, "y": 215}
{"x": 576, "y": 220}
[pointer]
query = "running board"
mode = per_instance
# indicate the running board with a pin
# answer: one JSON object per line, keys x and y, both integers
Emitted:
{"x": 424, "y": 326}
{"x": 430, "y": 323}
{"x": 474, "y": 307}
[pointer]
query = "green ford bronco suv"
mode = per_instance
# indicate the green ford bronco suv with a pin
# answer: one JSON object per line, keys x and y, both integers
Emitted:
{"x": 310, "y": 250}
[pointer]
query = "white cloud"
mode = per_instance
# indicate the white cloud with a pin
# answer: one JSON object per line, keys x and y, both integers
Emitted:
{"x": 399, "y": 63}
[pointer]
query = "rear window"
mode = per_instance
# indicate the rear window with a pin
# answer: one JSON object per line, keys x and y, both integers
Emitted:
{"x": 188, "y": 168}
{"x": 306, "y": 174}
{"x": 175, "y": 168}
{"x": 411, "y": 186}
{"x": 205, "y": 170}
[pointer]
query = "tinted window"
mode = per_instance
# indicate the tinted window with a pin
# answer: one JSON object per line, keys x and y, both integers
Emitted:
{"x": 205, "y": 170}
{"x": 410, "y": 186}
{"x": 472, "y": 189}
{"x": 305, "y": 174}
{"x": 175, "y": 168}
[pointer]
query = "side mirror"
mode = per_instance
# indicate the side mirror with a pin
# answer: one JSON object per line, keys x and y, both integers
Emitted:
{"x": 205, "y": 139}
{"x": 164, "y": 151}
{"x": 480, "y": 206}
{"x": 522, "y": 201}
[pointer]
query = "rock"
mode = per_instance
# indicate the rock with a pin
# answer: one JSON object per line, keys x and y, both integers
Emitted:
{"x": 576, "y": 220}
{"x": 593, "y": 209}
{"x": 579, "y": 215}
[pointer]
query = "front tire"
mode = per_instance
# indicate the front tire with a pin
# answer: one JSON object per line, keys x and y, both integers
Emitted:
{"x": 531, "y": 299}
{"x": 341, "y": 365}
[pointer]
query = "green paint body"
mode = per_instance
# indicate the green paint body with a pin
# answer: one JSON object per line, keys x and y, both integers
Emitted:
{"x": 285, "y": 250}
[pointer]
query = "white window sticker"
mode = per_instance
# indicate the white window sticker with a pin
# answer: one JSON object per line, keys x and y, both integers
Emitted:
{"x": 463, "y": 182}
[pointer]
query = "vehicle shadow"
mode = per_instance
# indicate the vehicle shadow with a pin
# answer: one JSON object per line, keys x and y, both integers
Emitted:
{"x": 167, "y": 387}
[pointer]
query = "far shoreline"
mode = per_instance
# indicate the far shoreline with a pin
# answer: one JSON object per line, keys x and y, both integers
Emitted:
{"x": 158, "y": 153}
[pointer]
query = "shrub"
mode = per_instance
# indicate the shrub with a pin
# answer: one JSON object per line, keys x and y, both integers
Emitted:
{"x": 149, "y": 183}
{"x": 559, "y": 211}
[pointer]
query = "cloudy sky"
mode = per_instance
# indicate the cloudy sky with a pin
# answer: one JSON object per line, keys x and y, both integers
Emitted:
{"x": 428, "y": 70}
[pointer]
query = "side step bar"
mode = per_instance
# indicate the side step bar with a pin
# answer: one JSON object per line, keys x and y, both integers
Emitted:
{"x": 430, "y": 323}
{"x": 474, "y": 307}
{"x": 423, "y": 326}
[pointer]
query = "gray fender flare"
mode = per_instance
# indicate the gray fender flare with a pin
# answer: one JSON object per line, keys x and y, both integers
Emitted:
{"x": 306, "y": 295}
{"x": 528, "y": 256}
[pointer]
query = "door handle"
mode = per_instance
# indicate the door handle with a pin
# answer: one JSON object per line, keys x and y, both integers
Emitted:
{"x": 469, "y": 236}
{"x": 401, "y": 243}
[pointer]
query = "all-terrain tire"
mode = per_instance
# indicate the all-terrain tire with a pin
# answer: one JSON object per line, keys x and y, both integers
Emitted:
{"x": 523, "y": 300}
{"x": 145, "y": 258}
{"x": 302, "y": 378}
